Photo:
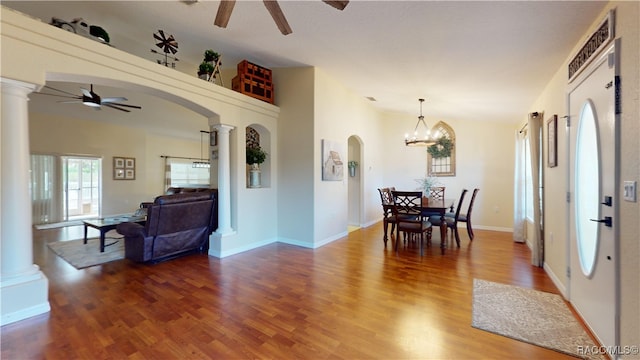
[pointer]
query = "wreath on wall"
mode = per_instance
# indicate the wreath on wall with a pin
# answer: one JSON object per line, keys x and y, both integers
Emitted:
{"x": 441, "y": 149}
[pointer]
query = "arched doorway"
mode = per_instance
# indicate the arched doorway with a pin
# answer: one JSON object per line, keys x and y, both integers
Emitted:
{"x": 355, "y": 178}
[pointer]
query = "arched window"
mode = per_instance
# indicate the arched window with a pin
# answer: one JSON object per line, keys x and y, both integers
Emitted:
{"x": 445, "y": 165}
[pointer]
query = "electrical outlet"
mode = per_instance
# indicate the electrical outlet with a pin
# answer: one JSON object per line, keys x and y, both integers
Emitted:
{"x": 630, "y": 191}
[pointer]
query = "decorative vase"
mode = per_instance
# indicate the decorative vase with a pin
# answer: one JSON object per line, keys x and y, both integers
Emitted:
{"x": 254, "y": 176}
{"x": 203, "y": 76}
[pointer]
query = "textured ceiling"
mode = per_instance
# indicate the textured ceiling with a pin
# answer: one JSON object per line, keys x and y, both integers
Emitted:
{"x": 471, "y": 60}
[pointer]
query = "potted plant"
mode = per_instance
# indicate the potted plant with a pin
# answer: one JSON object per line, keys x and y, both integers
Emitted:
{"x": 352, "y": 167}
{"x": 205, "y": 70}
{"x": 255, "y": 157}
{"x": 426, "y": 183}
{"x": 211, "y": 56}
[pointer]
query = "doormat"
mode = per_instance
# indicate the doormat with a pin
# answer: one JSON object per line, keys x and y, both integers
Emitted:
{"x": 532, "y": 316}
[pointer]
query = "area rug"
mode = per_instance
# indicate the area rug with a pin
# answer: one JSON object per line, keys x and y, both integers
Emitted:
{"x": 58, "y": 225}
{"x": 532, "y": 316}
{"x": 81, "y": 255}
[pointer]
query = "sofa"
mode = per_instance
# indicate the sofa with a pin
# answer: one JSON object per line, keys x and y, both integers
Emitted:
{"x": 176, "y": 224}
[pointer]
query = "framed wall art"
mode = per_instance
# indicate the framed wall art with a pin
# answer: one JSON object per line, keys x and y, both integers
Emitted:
{"x": 124, "y": 168}
{"x": 332, "y": 164}
{"x": 552, "y": 141}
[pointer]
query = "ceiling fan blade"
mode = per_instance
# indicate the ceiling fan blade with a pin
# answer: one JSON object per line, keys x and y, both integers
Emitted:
{"x": 62, "y": 96}
{"x": 113, "y": 99}
{"x": 71, "y": 102}
{"x": 340, "y": 5}
{"x": 278, "y": 16}
{"x": 125, "y": 105}
{"x": 86, "y": 92}
{"x": 224, "y": 13}
{"x": 113, "y": 106}
{"x": 58, "y": 90}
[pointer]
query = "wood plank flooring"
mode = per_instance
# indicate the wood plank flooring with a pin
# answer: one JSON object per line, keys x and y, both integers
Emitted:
{"x": 350, "y": 299}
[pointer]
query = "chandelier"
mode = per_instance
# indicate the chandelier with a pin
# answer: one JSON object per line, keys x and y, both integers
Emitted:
{"x": 201, "y": 163}
{"x": 427, "y": 139}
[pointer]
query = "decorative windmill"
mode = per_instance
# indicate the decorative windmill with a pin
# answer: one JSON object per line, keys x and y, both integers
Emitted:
{"x": 168, "y": 45}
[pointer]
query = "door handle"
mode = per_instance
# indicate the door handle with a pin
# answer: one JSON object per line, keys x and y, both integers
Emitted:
{"x": 607, "y": 221}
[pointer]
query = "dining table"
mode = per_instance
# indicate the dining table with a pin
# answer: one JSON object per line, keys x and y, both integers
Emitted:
{"x": 432, "y": 207}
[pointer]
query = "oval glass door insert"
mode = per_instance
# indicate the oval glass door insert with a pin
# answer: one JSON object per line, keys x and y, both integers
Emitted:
{"x": 587, "y": 188}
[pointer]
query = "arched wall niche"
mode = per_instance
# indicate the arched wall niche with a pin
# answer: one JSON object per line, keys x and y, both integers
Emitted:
{"x": 258, "y": 135}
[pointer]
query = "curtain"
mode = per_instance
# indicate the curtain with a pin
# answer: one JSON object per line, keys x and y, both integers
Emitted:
{"x": 534, "y": 134}
{"x": 46, "y": 205}
{"x": 167, "y": 173}
{"x": 527, "y": 222}
{"x": 519, "y": 212}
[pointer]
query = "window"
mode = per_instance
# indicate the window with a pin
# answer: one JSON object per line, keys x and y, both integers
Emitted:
{"x": 181, "y": 173}
{"x": 443, "y": 166}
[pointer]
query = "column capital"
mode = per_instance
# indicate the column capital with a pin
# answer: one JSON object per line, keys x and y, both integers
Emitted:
{"x": 223, "y": 128}
{"x": 17, "y": 87}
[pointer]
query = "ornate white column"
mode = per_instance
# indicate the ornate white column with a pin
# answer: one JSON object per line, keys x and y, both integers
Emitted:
{"x": 224, "y": 179}
{"x": 23, "y": 287}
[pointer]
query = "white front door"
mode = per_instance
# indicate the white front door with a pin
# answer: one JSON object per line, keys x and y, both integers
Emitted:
{"x": 593, "y": 193}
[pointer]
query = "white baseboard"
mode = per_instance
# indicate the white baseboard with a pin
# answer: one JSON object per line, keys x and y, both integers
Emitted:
{"x": 556, "y": 280}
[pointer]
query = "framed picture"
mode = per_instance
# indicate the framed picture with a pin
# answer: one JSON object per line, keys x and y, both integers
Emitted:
{"x": 124, "y": 168}
{"x": 332, "y": 163}
{"x": 213, "y": 137}
{"x": 130, "y": 163}
{"x": 118, "y": 162}
{"x": 118, "y": 174}
{"x": 129, "y": 174}
{"x": 552, "y": 141}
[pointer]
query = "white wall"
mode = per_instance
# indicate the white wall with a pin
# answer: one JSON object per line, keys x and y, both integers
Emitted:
{"x": 294, "y": 93}
{"x": 484, "y": 160}
{"x": 339, "y": 113}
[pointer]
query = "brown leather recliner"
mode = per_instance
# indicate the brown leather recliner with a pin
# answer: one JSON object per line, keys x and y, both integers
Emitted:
{"x": 176, "y": 225}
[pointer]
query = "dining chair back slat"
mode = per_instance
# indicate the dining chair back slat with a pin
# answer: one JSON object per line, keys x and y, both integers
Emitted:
{"x": 407, "y": 210}
{"x": 466, "y": 218}
{"x": 452, "y": 222}
{"x": 436, "y": 192}
{"x": 386, "y": 200}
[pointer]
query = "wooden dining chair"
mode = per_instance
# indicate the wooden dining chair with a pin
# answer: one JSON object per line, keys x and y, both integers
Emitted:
{"x": 436, "y": 192}
{"x": 452, "y": 222}
{"x": 407, "y": 210}
{"x": 386, "y": 200}
{"x": 466, "y": 218}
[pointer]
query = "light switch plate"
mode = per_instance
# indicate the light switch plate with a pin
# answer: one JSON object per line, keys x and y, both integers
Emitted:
{"x": 630, "y": 191}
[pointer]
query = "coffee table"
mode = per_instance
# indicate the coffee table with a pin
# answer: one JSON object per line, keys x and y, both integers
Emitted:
{"x": 109, "y": 223}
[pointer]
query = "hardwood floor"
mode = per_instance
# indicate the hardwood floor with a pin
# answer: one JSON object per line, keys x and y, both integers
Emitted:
{"x": 350, "y": 299}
